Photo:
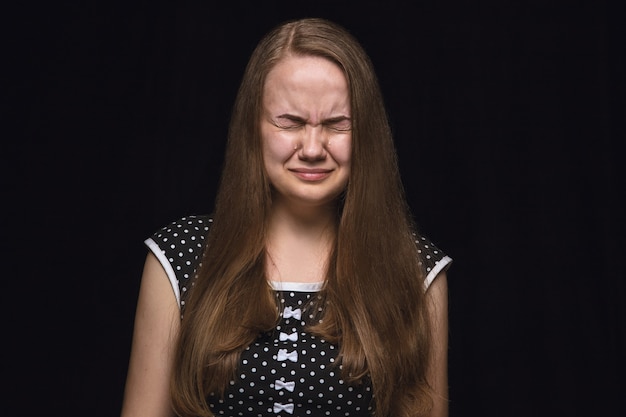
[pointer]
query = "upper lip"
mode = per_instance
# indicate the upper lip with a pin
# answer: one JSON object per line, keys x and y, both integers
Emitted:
{"x": 311, "y": 170}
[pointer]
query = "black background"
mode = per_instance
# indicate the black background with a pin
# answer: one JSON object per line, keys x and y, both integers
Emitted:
{"x": 508, "y": 118}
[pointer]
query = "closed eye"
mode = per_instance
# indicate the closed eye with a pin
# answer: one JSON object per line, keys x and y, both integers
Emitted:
{"x": 338, "y": 124}
{"x": 288, "y": 121}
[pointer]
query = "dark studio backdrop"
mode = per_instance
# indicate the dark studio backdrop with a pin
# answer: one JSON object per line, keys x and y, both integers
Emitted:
{"x": 508, "y": 118}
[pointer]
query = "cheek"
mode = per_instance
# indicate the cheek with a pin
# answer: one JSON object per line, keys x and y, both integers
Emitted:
{"x": 276, "y": 152}
{"x": 342, "y": 151}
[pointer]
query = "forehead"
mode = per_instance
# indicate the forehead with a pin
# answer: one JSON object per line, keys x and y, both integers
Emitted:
{"x": 303, "y": 62}
{"x": 308, "y": 81}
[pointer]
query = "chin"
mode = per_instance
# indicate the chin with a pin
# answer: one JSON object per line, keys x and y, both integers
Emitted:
{"x": 318, "y": 201}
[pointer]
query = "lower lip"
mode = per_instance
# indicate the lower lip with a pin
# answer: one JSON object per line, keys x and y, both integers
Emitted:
{"x": 311, "y": 176}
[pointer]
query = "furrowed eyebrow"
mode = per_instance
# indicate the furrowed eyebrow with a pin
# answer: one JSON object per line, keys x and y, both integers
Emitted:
{"x": 291, "y": 118}
{"x": 338, "y": 119}
{"x": 330, "y": 120}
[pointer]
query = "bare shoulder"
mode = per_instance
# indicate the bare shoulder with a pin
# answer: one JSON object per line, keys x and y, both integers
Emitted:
{"x": 439, "y": 286}
{"x": 156, "y": 325}
{"x": 437, "y": 296}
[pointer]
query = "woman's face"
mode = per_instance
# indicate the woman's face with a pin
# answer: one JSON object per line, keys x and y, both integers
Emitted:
{"x": 306, "y": 130}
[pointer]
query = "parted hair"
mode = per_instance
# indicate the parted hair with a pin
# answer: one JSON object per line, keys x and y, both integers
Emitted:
{"x": 373, "y": 298}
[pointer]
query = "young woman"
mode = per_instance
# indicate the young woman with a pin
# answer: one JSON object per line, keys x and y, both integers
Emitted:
{"x": 308, "y": 292}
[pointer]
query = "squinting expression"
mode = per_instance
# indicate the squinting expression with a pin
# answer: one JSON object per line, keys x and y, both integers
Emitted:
{"x": 306, "y": 130}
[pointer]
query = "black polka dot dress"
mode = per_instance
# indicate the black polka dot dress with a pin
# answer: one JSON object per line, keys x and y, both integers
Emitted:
{"x": 286, "y": 372}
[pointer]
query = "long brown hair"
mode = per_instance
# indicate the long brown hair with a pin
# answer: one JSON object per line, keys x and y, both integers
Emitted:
{"x": 373, "y": 296}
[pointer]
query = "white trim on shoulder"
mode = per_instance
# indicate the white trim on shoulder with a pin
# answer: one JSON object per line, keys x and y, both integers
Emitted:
{"x": 165, "y": 263}
{"x": 439, "y": 266}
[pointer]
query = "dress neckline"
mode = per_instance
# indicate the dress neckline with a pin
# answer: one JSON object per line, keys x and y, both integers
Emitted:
{"x": 297, "y": 286}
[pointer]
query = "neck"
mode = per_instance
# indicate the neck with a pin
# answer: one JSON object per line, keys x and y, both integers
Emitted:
{"x": 303, "y": 219}
{"x": 299, "y": 243}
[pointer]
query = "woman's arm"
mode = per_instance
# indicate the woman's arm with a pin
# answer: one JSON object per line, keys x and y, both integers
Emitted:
{"x": 157, "y": 321}
{"x": 437, "y": 296}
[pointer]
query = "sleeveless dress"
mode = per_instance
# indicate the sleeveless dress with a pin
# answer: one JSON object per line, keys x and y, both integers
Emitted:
{"x": 288, "y": 371}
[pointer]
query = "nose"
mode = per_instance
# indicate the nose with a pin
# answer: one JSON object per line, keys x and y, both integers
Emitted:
{"x": 313, "y": 143}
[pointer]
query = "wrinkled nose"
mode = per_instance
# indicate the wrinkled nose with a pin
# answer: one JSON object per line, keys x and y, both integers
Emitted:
{"x": 313, "y": 143}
